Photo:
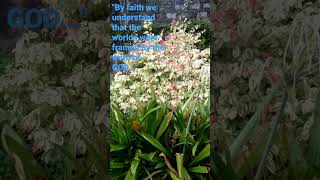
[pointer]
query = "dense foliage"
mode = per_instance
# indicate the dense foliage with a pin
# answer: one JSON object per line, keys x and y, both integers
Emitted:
{"x": 159, "y": 124}
{"x": 266, "y": 65}
{"x": 174, "y": 72}
{"x": 157, "y": 142}
{"x": 53, "y": 111}
{"x": 40, "y": 84}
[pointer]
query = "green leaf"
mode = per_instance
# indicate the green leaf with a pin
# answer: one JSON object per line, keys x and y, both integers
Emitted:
{"x": 186, "y": 138}
{"x": 117, "y": 147}
{"x": 165, "y": 123}
{"x": 148, "y": 157}
{"x": 25, "y": 163}
{"x": 271, "y": 137}
{"x": 194, "y": 148}
{"x": 173, "y": 176}
{"x": 179, "y": 159}
{"x": 199, "y": 169}
{"x": 246, "y": 132}
{"x": 187, "y": 130}
{"x": 135, "y": 164}
{"x": 185, "y": 175}
{"x": 160, "y": 114}
{"x": 159, "y": 165}
{"x": 154, "y": 142}
{"x": 117, "y": 165}
{"x": 129, "y": 176}
{"x": 118, "y": 114}
{"x": 202, "y": 155}
{"x": 152, "y": 174}
{"x": 149, "y": 175}
{"x": 123, "y": 139}
{"x": 149, "y": 112}
{"x": 179, "y": 123}
{"x": 182, "y": 143}
{"x": 185, "y": 105}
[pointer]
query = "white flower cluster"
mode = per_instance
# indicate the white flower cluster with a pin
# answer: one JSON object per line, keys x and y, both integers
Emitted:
{"x": 174, "y": 73}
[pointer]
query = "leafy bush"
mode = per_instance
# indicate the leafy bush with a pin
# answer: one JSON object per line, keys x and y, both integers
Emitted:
{"x": 54, "y": 95}
{"x": 47, "y": 77}
{"x": 157, "y": 142}
{"x": 174, "y": 72}
{"x": 266, "y": 66}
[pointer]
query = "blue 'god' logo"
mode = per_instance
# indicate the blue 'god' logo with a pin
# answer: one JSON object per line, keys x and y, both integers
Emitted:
{"x": 49, "y": 17}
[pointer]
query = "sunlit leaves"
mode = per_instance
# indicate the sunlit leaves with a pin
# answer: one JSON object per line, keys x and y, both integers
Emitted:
{"x": 161, "y": 153}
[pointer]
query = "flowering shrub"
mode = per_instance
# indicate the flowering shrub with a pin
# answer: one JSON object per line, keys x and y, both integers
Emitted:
{"x": 173, "y": 73}
{"x": 53, "y": 99}
{"x": 48, "y": 78}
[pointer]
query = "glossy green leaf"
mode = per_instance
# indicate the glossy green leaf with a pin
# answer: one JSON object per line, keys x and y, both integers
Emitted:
{"x": 179, "y": 159}
{"x": 173, "y": 176}
{"x": 202, "y": 155}
{"x": 149, "y": 112}
{"x": 129, "y": 176}
{"x": 185, "y": 174}
{"x": 194, "y": 148}
{"x": 179, "y": 122}
{"x": 185, "y": 105}
{"x": 199, "y": 169}
{"x": 135, "y": 164}
{"x": 148, "y": 157}
{"x": 164, "y": 124}
{"x": 154, "y": 142}
{"x": 117, "y": 147}
{"x": 117, "y": 165}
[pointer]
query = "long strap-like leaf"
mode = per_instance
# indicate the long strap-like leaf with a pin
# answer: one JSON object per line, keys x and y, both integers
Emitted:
{"x": 271, "y": 137}
{"x": 245, "y": 134}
